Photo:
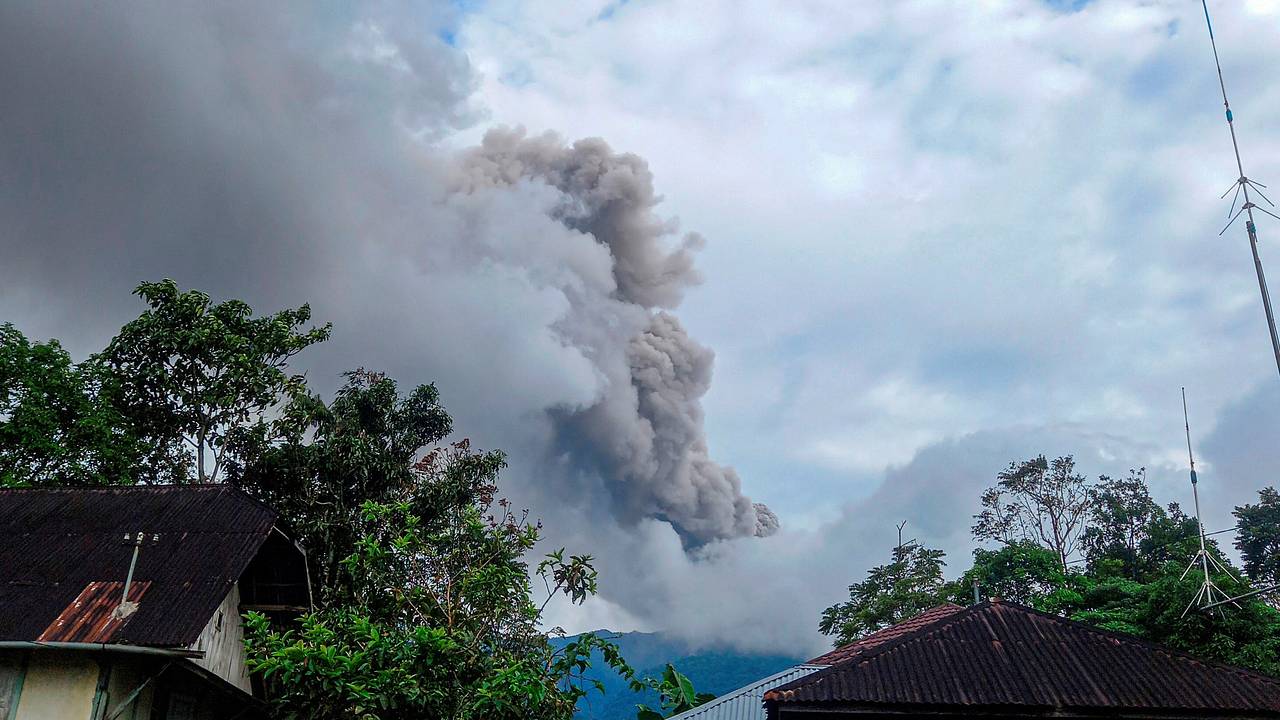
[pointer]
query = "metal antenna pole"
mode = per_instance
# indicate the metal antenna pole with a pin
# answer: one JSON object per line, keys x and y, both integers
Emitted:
{"x": 1206, "y": 596}
{"x": 1242, "y": 185}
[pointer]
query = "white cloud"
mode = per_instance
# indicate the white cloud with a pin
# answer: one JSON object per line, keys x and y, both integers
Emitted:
{"x": 927, "y": 220}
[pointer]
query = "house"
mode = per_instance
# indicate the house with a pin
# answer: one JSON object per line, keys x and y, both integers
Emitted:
{"x": 1000, "y": 660}
{"x": 125, "y": 603}
{"x": 745, "y": 702}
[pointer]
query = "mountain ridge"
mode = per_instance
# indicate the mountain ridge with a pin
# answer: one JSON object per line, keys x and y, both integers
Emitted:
{"x": 715, "y": 670}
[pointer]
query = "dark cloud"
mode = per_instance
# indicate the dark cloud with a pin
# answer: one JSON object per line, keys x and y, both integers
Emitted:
{"x": 286, "y": 155}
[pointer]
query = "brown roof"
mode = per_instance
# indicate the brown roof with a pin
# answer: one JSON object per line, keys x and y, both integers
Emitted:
{"x": 880, "y": 637}
{"x": 1003, "y": 655}
{"x": 64, "y": 558}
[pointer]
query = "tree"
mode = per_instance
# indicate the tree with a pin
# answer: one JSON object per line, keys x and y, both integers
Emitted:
{"x": 56, "y": 428}
{"x": 368, "y": 445}
{"x": 1247, "y": 635}
{"x": 194, "y": 377}
{"x": 908, "y": 585}
{"x": 1171, "y": 539}
{"x": 676, "y": 695}
{"x": 1258, "y": 536}
{"x": 1036, "y": 500}
{"x": 1022, "y": 572}
{"x": 427, "y": 610}
{"x": 1121, "y": 513}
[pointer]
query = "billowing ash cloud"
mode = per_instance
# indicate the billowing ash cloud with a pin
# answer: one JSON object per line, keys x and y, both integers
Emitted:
{"x": 646, "y": 431}
{"x": 286, "y": 157}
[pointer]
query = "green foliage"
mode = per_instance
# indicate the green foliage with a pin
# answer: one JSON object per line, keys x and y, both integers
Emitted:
{"x": 1132, "y": 582}
{"x": 675, "y": 691}
{"x": 1037, "y": 501}
{"x": 909, "y": 584}
{"x": 368, "y": 445}
{"x": 56, "y": 428}
{"x": 1258, "y": 537}
{"x": 428, "y": 609}
{"x": 1248, "y": 635}
{"x": 192, "y": 376}
{"x": 1119, "y": 519}
{"x": 1022, "y": 572}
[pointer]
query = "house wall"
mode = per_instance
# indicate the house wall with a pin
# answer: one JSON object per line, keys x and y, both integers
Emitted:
{"x": 222, "y": 642}
{"x": 57, "y": 686}
{"x": 125, "y": 677}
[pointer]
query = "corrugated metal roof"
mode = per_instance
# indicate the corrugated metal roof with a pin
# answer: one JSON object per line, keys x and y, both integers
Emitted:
{"x": 1000, "y": 654}
{"x": 91, "y": 617}
{"x": 745, "y": 703}
{"x": 57, "y": 542}
{"x": 880, "y": 637}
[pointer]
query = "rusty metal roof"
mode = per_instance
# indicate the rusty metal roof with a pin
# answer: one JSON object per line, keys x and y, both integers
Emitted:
{"x": 91, "y": 617}
{"x": 880, "y": 637}
{"x": 64, "y": 557}
{"x": 1003, "y": 655}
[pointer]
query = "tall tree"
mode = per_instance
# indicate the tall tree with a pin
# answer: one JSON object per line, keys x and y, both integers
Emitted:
{"x": 1119, "y": 519}
{"x": 56, "y": 428}
{"x": 1022, "y": 571}
{"x": 197, "y": 378}
{"x": 369, "y": 444}
{"x": 1258, "y": 536}
{"x": 891, "y": 593}
{"x": 1036, "y": 500}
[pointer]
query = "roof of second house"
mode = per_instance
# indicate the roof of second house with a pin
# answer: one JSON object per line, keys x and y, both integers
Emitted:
{"x": 65, "y": 556}
{"x": 1003, "y": 655}
{"x": 745, "y": 702}
{"x": 880, "y": 637}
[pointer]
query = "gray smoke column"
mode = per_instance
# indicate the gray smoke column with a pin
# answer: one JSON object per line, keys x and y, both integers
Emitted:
{"x": 644, "y": 434}
{"x": 284, "y": 153}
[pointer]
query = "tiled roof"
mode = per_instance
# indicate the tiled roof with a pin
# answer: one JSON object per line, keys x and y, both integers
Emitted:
{"x": 745, "y": 702}
{"x": 880, "y": 637}
{"x": 64, "y": 558}
{"x": 1002, "y": 655}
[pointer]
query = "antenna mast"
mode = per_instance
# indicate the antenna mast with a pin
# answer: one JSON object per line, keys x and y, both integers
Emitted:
{"x": 1243, "y": 185}
{"x": 1205, "y": 596}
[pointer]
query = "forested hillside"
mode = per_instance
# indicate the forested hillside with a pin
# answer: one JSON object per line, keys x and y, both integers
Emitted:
{"x": 714, "y": 671}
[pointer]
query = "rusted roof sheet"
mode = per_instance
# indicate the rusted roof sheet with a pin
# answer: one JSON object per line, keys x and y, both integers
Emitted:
{"x": 880, "y": 637}
{"x": 1002, "y": 655}
{"x": 198, "y": 541}
{"x": 91, "y": 617}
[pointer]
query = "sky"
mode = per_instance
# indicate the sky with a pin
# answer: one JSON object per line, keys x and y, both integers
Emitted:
{"x": 845, "y": 260}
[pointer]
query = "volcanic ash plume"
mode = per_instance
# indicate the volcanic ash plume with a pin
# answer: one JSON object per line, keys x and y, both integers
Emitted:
{"x": 644, "y": 433}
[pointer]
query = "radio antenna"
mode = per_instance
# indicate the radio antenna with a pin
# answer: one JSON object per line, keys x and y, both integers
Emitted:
{"x": 1243, "y": 185}
{"x": 1209, "y": 594}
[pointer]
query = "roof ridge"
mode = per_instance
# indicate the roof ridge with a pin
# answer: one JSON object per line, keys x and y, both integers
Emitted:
{"x": 878, "y": 650}
{"x": 949, "y": 620}
{"x": 117, "y": 488}
{"x": 227, "y": 488}
{"x": 1148, "y": 644}
{"x": 873, "y": 636}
